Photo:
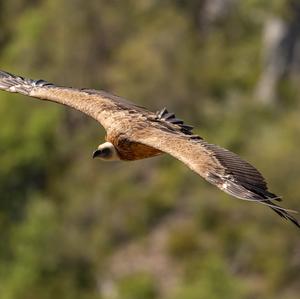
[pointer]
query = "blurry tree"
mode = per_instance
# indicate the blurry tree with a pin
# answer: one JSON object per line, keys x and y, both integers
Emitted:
{"x": 281, "y": 52}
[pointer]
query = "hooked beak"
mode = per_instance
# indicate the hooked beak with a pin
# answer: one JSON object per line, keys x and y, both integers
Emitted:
{"x": 97, "y": 153}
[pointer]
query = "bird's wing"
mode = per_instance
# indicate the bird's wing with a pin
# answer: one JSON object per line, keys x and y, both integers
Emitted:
{"x": 100, "y": 105}
{"x": 217, "y": 165}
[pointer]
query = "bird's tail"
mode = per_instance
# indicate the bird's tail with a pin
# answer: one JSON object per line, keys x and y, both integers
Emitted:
{"x": 12, "y": 83}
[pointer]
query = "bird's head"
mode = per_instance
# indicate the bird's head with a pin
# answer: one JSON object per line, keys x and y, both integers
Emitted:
{"x": 107, "y": 152}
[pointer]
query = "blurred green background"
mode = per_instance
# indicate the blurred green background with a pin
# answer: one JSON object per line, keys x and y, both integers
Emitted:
{"x": 74, "y": 228}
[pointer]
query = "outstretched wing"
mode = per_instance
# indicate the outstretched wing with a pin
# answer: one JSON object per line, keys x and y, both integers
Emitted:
{"x": 217, "y": 165}
{"x": 100, "y": 105}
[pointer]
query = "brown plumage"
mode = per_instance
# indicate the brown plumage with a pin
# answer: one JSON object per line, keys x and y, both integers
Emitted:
{"x": 135, "y": 133}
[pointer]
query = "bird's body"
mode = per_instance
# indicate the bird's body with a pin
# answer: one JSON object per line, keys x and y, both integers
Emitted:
{"x": 134, "y": 132}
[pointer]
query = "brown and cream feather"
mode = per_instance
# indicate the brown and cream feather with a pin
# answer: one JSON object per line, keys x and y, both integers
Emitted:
{"x": 137, "y": 133}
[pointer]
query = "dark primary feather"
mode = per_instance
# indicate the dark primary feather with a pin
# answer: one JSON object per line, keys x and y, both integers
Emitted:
{"x": 243, "y": 181}
{"x": 170, "y": 117}
{"x": 241, "y": 171}
{"x": 239, "y": 178}
{"x": 19, "y": 84}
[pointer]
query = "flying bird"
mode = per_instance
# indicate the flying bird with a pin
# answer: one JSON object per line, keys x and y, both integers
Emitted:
{"x": 134, "y": 132}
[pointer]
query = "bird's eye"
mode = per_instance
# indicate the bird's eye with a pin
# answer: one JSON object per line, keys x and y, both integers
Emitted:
{"x": 106, "y": 152}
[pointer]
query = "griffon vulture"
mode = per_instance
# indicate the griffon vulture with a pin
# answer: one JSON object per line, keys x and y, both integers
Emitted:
{"x": 135, "y": 133}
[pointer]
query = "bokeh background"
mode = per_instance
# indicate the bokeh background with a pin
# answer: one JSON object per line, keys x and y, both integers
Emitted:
{"x": 72, "y": 227}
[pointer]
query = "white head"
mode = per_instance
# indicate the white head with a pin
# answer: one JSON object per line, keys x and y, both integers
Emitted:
{"x": 107, "y": 152}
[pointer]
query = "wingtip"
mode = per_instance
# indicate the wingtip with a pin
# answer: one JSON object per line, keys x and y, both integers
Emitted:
{"x": 4, "y": 74}
{"x": 293, "y": 220}
{"x": 284, "y": 213}
{"x": 13, "y": 83}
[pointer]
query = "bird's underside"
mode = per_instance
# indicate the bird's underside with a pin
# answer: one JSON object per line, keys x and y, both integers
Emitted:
{"x": 134, "y": 133}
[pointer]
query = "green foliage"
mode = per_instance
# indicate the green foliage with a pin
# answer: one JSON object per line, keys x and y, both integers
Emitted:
{"x": 30, "y": 241}
{"x": 211, "y": 280}
{"x": 183, "y": 242}
{"x": 137, "y": 286}
{"x": 64, "y": 218}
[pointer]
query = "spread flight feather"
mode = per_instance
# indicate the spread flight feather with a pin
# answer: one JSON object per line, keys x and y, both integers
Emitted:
{"x": 138, "y": 133}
